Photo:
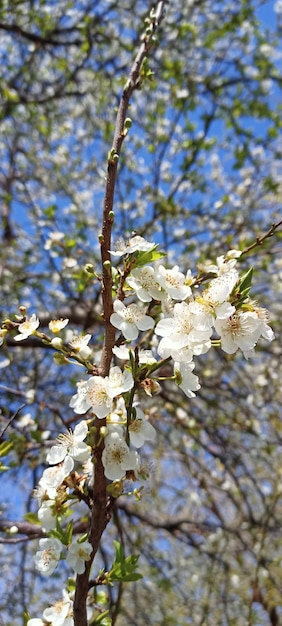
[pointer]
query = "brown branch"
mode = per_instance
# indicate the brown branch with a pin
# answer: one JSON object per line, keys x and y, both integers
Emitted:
{"x": 101, "y": 511}
{"x": 30, "y": 531}
{"x": 261, "y": 239}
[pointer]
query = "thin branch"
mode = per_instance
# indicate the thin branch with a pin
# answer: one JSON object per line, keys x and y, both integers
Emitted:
{"x": 11, "y": 420}
{"x": 261, "y": 239}
{"x": 102, "y": 504}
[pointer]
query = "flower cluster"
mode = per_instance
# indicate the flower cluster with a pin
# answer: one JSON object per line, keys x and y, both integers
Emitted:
{"x": 182, "y": 320}
{"x": 60, "y": 613}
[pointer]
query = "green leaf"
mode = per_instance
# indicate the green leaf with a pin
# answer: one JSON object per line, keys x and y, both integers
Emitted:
{"x": 143, "y": 258}
{"x": 64, "y": 535}
{"x": 5, "y": 447}
{"x": 246, "y": 280}
{"x": 123, "y": 569}
{"x": 32, "y": 518}
{"x": 103, "y": 619}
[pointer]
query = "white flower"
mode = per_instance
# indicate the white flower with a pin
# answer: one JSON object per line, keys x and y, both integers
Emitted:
{"x": 117, "y": 458}
{"x": 71, "y": 444}
{"x": 61, "y": 613}
{"x": 143, "y": 281}
{"x": 47, "y": 558}
{"x": 98, "y": 392}
{"x": 47, "y": 516}
{"x": 119, "y": 382}
{"x": 35, "y": 622}
{"x": 130, "y": 319}
{"x": 221, "y": 287}
{"x": 54, "y": 238}
{"x": 57, "y": 325}
{"x": 213, "y": 302}
{"x": 173, "y": 282}
{"x": 241, "y": 330}
{"x": 144, "y": 356}
{"x": 184, "y": 330}
{"x": 94, "y": 393}
{"x": 189, "y": 381}
{"x": 136, "y": 244}
{"x": 79, "y": 343}
{"x": 78, "y": 554}
{"x": 27, "y": 328}
{"x": 53, "y": 477}
{"x": 140, "y": 430}
{"x": 263, "y": 315}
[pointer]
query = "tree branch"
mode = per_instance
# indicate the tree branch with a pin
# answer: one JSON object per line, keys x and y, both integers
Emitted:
{"x": 102, "y": 505}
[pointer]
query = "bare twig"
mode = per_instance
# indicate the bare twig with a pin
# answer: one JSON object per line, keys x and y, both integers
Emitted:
{"x": 260, "y": 240}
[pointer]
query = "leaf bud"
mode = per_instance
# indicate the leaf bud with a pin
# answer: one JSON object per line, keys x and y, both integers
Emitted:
{"x": 60, "y": 359}
{"x": 107, "y": 266}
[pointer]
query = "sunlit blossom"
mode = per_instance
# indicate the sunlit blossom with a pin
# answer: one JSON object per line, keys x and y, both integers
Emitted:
{"x": 117, "y": 458}
{"x": 93, "y": 394}
{"x": 47, "y": 516}
{"x": 53, "y": 477}
{"x": 78, "y": 554}
{"x": 189, "y": 382}
{"x": 130, "y": 319}
{"x": 61, "y": 613}
{"x": 140, "y": 430}
{"x": 144, "y": 356}
{"x": 71, "y": 444}
{"x": 184, "y": 330}
{"x": 79, "y": 343}
{"x": 57, "y": 325}
{"x": 174, "y": 282}
{"x": 241, "y": 330}
{"x": 145, "y": 284}
{"x": 97, "y": 393}
{"x": 136, "y": 244}
{"x": 27, "y": 328}
{"x": 47, "y": 558}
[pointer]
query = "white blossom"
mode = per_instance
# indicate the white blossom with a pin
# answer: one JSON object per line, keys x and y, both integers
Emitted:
{"x": 54, "y": 238}
{"x": 119, "y": 382}
{"x": 174, "y": 282}
{"x": 71, "y": 444}
{"x": 61, "y": 613}
{"x": 78, "y": 554}
{"x": 27, "y": 328}
{"x": 140, "y": 430}
{"x": 189, "y": 381}
{"x": 130, "y": 319}
{"x": 95, "y": 394}
{"x": 47, "y": 558}
{"x": 184, "y": 330}
{"x": 47, "y": 516}
{"x": 79, "y": 343}
{"x": 144, "y": 356}
{"x": 145, "y": 284}
{"x": 57, "y": 325}
{"x": 136, "y": 244}
{"x": 117, "y": 458}
{"x": 98, "y": 392}
{"x": 241, "y": 330}
{"x": 53, "y": 477}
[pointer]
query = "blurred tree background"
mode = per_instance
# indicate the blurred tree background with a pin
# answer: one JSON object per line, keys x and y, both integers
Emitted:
{"x": 200, "y": 173}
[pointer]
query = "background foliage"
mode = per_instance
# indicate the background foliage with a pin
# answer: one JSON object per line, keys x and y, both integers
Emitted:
{"x": 200, "y": 173}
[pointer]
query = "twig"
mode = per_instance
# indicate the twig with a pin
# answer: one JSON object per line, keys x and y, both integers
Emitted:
{"x": 101, "y": 510}
{"x": 260, "y": 240}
